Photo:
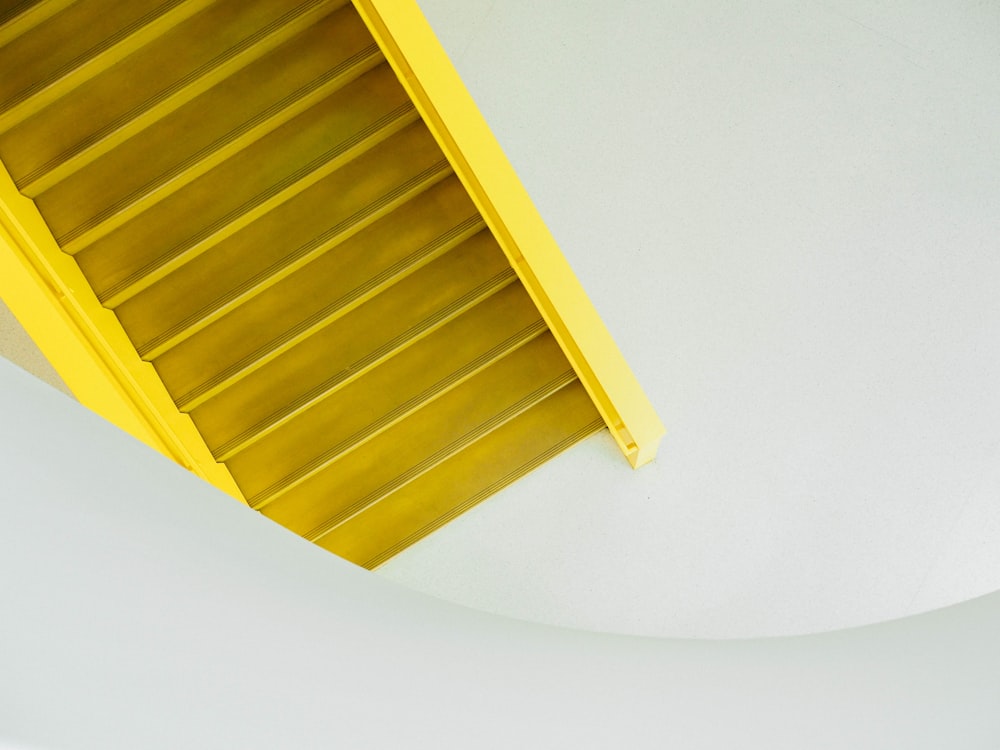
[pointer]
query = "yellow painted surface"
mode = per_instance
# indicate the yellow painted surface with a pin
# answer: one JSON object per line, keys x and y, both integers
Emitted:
{"x": 30, "y": 17}
{"x": 84, "y": 50}
{"x": 85, "y": 343}
{"x": 449, "y": 488}
{"x": 446, "y": 428}
{"x": 410, "y": 46}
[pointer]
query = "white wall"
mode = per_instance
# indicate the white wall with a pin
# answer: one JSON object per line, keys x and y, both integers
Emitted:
{"x": 141, "y": 608}
{"x": 786, "y": 213}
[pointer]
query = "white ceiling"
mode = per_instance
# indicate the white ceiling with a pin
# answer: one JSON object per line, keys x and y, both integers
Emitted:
{"x": 787, "y": 214}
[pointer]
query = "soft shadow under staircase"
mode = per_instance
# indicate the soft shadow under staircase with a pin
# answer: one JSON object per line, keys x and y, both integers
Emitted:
{"x": 253, "y": 192}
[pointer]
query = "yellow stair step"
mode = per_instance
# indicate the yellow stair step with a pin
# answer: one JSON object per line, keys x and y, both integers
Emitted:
{"x": 76, "y": 45}
{"x": 402, "y": 518}
{"x": 131, "y": 95}
{"x": 210, "y": 287}
{"x": 23, "y": 16}
{"x": 500, "y": 320}
{"x": 304, "y": 378}
{"x": 301, "y": 306}
{"x": 345, "y": 349}
{"x": 133, "y": 258}
{"x": 214, "y": 127}
{"x": 204, "y": 350}
{"x": 330, "y": 286}
{"x": 280, "y": 165}
{"x": 236, "y": 111}
{"x": 274, "y": 169}
{"x": 322, "y": 500}
{"x": 389, "y": 393}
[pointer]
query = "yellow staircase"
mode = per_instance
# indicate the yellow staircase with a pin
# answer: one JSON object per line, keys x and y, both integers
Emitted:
{"x": 252, "y": 191}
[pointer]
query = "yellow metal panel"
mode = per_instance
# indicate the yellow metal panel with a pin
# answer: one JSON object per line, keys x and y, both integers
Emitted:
{"x": 27, "y": 19}
{"x": 45, "y": 66}
{"x": 85, "y": 344}
{"x": 232, "y": 197}
{"x": 315, "y": 503}
{"x": 318, "y": 295}
{"x": 391, "y": 392}
{"x": 296, "y": 234}
{"x": 109, "y": 109}
{"x": 356, "y": 343}
{"x": 468, "y": 477}
{"x": 217, "y": 125}
{"x": 412, "y": 49}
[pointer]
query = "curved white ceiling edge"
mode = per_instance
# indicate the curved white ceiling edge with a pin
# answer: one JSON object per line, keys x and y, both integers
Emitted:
{"x": 143, "y": 608}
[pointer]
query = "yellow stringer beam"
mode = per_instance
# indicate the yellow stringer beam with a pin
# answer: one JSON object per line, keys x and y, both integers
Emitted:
{"x": 410, "y": 46}
{"x": 48, "y": 294}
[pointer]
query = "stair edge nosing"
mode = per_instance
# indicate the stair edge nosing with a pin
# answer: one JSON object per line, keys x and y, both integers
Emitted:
{"x": 332, "y": 312}
{"x": 217, "y": 152}
{"x": 95, "y": 60}
{"x": 196, "y": 82}
{"x": 477, "y": 433}
{"x": 254, "y": 208}
{"x": 486, "y": 492}
{"x": 406, "y": 409}
{"x": 353, "y": 372}
{"x": 289, "y": 264}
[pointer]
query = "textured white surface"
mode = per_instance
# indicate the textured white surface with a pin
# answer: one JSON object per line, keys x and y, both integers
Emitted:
{"x": 787, "y": 214}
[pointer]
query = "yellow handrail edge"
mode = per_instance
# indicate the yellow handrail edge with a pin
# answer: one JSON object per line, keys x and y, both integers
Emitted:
{"x": 413, "y": 50}
{"x": 86, "y": 345}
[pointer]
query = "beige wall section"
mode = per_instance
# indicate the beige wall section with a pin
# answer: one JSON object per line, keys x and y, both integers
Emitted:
{"x": 17, "y": 346}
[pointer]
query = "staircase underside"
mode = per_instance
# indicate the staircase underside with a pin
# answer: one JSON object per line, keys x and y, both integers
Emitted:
{"x": 249, "y": 188}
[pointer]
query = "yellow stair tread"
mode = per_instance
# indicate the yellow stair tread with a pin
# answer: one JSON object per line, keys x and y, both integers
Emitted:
{"x": 219, "y": 40}
{"x": 187, "y": 143}
{"x": 467, "y": 413}
{"x": 288, "y": 159}
{"x": 275, "y": 169}
{"x": 469, "y": 477}
{"x": 20, "y": 17}
{"x": 67, "y": 40}
{"x": 383, "y": 391}
{"x": 343, "y": 278}
{"x": 294, "y": 228}
{"x": 351, "y": 346}
{"x": 392, "y": 391}
{"x": 436, "y": 292}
